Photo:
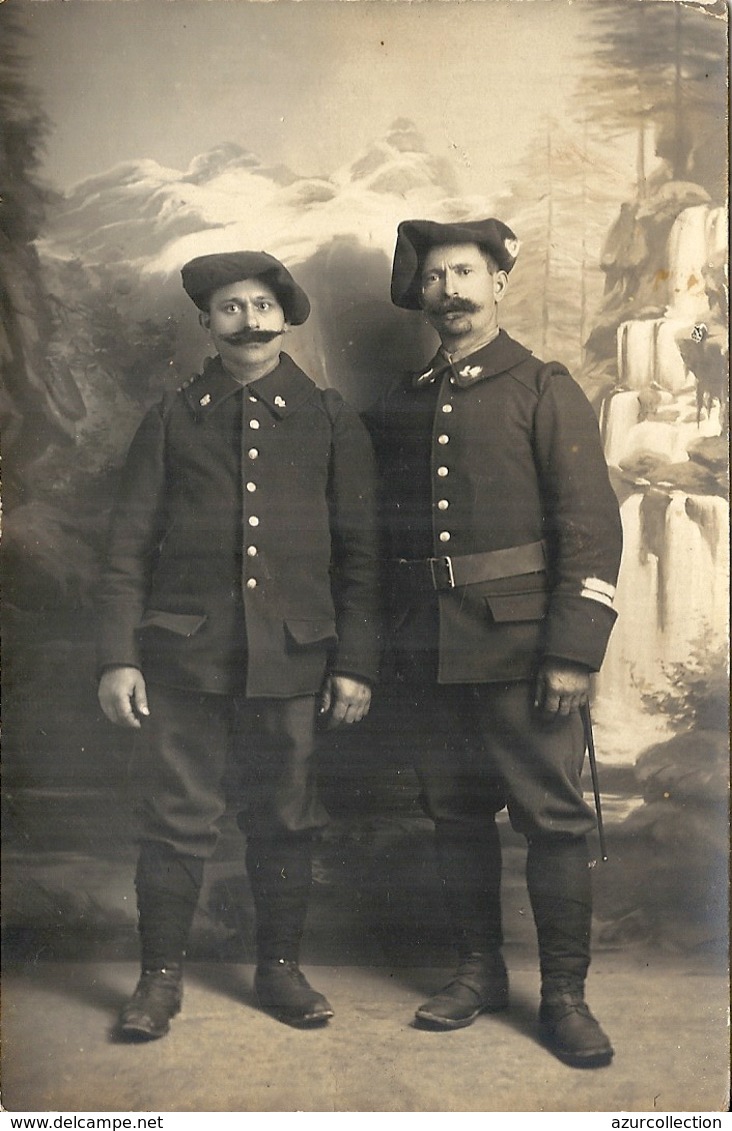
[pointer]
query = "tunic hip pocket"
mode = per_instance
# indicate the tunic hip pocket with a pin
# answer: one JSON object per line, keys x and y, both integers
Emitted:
{"x": 182, "y": 624}
{"x": 309, "y": 633}
{"x": 505, "y": 607}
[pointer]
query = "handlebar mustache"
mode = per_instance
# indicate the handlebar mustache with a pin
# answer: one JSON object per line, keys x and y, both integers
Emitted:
{"x": 245, "y": 336}
{"x": 454, "y": 306}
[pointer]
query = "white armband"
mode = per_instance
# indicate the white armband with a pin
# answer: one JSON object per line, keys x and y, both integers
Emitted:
{"x": 598, "y": 590}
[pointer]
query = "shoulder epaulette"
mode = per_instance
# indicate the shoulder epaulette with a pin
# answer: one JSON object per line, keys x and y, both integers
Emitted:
{"x": 186, "y": 384}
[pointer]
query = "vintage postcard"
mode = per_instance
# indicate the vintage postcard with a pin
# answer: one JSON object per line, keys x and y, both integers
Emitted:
{"x": 367, "y": 282}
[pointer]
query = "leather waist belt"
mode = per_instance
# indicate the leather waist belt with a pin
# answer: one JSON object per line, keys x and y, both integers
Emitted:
{"x": 453, "y": 572}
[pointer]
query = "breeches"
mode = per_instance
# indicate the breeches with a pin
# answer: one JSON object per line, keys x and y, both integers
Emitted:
{"x": 197, "y": 752}
{"x": 478, "y": 748}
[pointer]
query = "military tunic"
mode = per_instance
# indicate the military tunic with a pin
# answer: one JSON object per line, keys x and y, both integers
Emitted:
{"x": 498, "y": 456}
{"x": 243, "y": 552}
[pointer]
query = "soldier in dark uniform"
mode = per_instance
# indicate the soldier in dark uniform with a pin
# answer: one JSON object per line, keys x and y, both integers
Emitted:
{"x": 238, "y": 604}
{"x": 504, "y": 541}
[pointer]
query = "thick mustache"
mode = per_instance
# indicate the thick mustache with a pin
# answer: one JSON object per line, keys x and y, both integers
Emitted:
{"x": 454, "y": 306}
{"x": 252, "y": 336}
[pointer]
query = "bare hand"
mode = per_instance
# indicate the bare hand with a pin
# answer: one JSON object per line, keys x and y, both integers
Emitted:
{"x": 561, "y": 687}
{"x": 123, "y": 697}
{"x": 345, "y": 700}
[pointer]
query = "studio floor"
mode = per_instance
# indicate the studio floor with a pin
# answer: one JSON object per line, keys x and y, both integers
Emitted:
{"x": 668, "y": 1024}
{"x": 377, "y": 946}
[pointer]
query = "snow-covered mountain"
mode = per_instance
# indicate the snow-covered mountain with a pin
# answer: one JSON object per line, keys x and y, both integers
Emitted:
{"x": 132, "y": 211}
{"x": 152, "y": 219}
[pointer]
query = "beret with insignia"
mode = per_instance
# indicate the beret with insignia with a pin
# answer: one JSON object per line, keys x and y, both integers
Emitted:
{"x": 205, "y": 274}
{"x": 416, "y": 237}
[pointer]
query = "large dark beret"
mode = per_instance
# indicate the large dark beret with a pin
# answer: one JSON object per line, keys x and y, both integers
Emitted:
{"x": 416, "y": 237}
{"x": 204, "y": 275}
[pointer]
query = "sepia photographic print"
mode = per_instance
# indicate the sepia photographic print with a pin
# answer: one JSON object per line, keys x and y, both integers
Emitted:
{"x": 365, "y": 556}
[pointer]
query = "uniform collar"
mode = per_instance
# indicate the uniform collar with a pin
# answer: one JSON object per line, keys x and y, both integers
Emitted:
{"x": 499, "y": 355}
{"x": 283, "y": 390}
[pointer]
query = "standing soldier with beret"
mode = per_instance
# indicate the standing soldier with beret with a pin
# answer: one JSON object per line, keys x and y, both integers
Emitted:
{"x": 504, "y": 539}
{"x": 238, "y": 603}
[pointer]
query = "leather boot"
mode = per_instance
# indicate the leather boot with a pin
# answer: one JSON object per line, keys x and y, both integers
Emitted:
{"x": 559, "y": 884}
{"x": 569, "y": 1030}
{"x": 284, "y": 991}
{"x": 479, "y": 985}
{"x": 157, "y": 998}
{"x": 280, "y": 874}
{"x": 468, "y": 853}
{"x": 168, "y": 885}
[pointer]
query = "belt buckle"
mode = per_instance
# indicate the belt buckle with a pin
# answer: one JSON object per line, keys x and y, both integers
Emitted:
{"x": 447, "y": 578}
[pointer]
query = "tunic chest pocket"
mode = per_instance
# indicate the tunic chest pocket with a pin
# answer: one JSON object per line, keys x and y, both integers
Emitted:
{"x": 526, "y": 606}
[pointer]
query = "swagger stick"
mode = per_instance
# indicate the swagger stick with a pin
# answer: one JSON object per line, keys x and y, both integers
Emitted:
{"x": 590, "y": 743}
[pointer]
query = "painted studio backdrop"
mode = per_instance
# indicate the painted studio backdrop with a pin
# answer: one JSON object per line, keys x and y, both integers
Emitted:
{"x": 141, "y": 135}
